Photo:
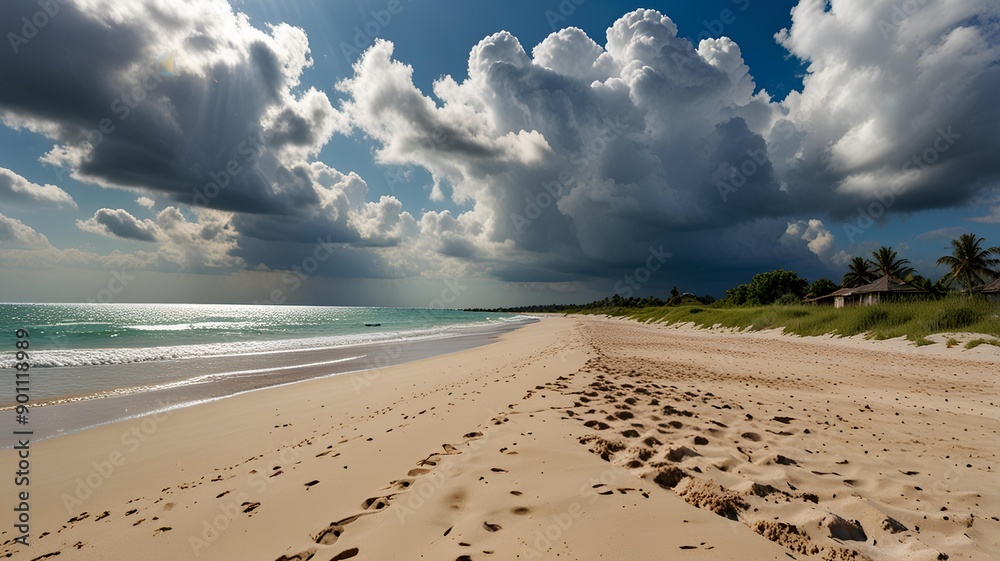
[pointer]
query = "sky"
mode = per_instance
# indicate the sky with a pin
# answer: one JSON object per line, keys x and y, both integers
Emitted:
{"x": 419, "y": 152}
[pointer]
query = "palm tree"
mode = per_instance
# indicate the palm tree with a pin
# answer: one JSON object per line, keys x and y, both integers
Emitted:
{"x": 970, "y": 264}
{"x": 885, "y": 263}
{"x": 935, "y": 288}
{"x": 859, "y": 273}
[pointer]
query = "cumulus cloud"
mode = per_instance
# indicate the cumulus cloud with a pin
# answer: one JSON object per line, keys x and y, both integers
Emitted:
{"x": 818, "y": 240}
{"x": 17, "y": 190}
{"x": 119, "y": 224}
{"x": 227, "y": 126}
{"x": 566, "y": 160}
{"x": 894, "y": 103}
{"x": 543, "y": 150}
{"x": 97, "y": 87}
{"x": 578, "y": 157}
{"x": 204, "y": 245}
{"x": 14, "y": 234}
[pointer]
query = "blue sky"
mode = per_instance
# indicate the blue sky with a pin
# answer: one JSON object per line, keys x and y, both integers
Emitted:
{"x": 440, "y": 213}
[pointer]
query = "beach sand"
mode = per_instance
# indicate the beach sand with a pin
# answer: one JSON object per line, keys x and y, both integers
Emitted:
{"x": 573, "y": 438}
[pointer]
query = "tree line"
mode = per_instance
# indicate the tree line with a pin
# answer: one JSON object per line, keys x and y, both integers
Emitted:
{"x": 971, "y": 265}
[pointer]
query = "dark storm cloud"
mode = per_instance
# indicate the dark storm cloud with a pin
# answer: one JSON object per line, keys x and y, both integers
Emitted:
{"x": 600, "y": 151}
{"x": 572, "y": 161}
{"x": 101, "y": 87}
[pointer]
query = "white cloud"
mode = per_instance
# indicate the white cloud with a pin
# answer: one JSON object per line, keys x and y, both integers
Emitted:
{"x": 206, "y": 243}
{"x": 568, "y": 162}
{"x": 17, "y": 190}
{"x": 234, "y": 102}
{"x": 942, "y": 233}
{"x": 819, "y": 240}
{"x": 992, "y": 218}
{"x": 14, "y": 234}
{"x": 891, "y": 102}
{"x": 120, "y": 224}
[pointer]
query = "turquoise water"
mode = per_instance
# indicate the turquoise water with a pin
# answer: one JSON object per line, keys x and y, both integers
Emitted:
{"x": 65, "y": 335}
{"x": 92, "y": 364}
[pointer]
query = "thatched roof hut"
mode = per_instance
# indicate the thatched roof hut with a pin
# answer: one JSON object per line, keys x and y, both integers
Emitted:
{"x": 885, "y": 289}
{"x": 992, "y": 290}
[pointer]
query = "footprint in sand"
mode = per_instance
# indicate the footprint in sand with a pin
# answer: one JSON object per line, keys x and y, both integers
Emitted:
{"x": 303, "y": 556}
{"x": 329, "y": 536}
{"x": 249, "y": 507}
{"x": 375, "y": 503}
{"x": 401, "y": 484}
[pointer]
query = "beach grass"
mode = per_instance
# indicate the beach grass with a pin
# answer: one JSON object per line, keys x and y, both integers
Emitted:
{"x": 914, "y": 320}
{"x": 976, "y": 342}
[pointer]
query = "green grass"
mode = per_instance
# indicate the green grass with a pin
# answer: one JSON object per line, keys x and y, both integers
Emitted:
{"x": 914, "y": 320}
{"x": 976, "y": 342}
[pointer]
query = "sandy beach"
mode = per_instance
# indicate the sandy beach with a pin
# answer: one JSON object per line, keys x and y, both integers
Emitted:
{"x": 572, "y": 438}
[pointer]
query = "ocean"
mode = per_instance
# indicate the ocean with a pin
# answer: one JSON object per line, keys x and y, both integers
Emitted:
{"x": 91, "y": 364}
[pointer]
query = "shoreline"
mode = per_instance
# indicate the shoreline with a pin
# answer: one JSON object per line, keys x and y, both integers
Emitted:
{"x": 546, "y": 443}
{"x": 57, "y": 417}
